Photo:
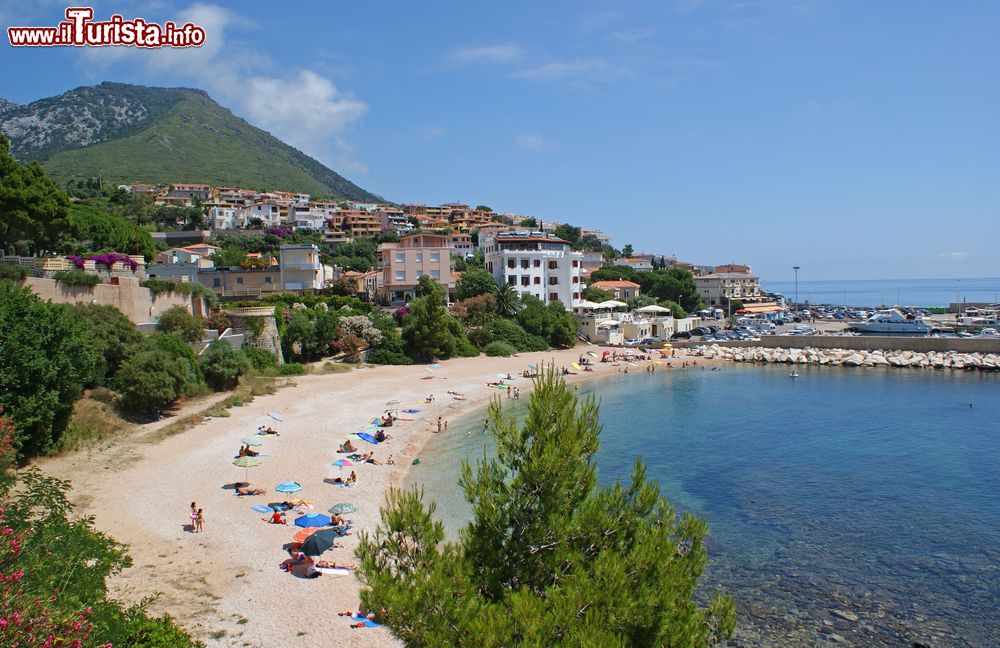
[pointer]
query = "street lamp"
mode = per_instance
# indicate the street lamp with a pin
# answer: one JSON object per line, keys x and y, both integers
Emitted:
{"x": 796, "y": 269}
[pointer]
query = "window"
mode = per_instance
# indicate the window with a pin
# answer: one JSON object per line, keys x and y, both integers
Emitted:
{"x": 524, "y": 264}
{"x": 576, "y": 263}
{"x": 436, "y": 274}
{"x": 525, "y": 280}
{"x": 435, "y": 257}
{"x": 419, "y": 257}
{"x": 553, "y": 296}
{"x": 538, "y": 263}
{"x": 576, "y": 295}
{"x": 553, "y": 281}
{"x": 400, "y": 276}
{"x": 576, "y": 279}
{"x": 512, "y": 280}
{"x": 511, "y": 263}
{"x": 400, "y": 257}
{"x": 489, "y": 266}
{"x": 538, "y": 280}
{"x": 553, "y": 265}
{"x": 239, "y": 280}
{"x": 267, "y": 280}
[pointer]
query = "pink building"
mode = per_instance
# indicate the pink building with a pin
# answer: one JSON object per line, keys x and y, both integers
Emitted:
{"x": 402, "y": 264}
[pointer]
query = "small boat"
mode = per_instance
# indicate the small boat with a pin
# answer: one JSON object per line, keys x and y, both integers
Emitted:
{"x": 792, "y": 374}
{"x": 892, "y": 322}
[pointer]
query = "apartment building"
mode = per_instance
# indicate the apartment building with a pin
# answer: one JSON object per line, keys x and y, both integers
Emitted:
{"x": 269, "y": 213}
{"x": 719, "y": 288}
{"x": 306, "y": 217}
{"x": 642, "y": 264}
{"x": 300, "y": 268}
{"x": 536, "y": 264}
{"x": 620, "y": 289}
{"x": 460, "y": 244}
{"x": 402, "y": 264}
{"x": 227, "y": 217}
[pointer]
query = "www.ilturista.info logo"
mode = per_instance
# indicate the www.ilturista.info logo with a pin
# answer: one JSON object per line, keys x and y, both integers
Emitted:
{"x": 79, "y": 30}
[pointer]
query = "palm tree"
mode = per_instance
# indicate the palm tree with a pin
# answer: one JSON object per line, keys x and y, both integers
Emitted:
{"x": 508, "y": 301}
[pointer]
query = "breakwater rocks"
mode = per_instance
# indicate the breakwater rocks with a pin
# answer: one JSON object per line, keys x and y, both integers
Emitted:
{"x": 848, "y": 358}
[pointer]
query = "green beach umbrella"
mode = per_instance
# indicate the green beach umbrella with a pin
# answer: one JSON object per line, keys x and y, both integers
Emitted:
{"x": 247, "y": 463}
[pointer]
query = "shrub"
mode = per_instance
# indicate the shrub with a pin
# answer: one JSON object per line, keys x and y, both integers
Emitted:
{"x": 499, "y": 349}
{"x": 150, "y": 381}
{"x": 115, "y": 338}
{"x": 384, "y": 356}
{"x": 180, "y": 322}
{"x": 159, "y": 286}
{"x": 13, "y": 272}
{"x": 175, "y": 347}
{"x": 291, "y": 369}
{"x": 510, "y": 332}
{"x": 480, "y": 337}
{"x": 76, "y": 278}
{"x": 260, "y": 359}
{"x": 222, "y": 366}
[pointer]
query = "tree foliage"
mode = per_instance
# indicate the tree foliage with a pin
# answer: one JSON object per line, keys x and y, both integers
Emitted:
{"x": 474, "y": 282}
{"x": 115, "y": 338}
{"x": 34, "y": 210}
{"x": 222, "y": 366}
{"x": 507, "y": 300}
{"x": 151, "y": 380}
{"x": 180, "y": 322}
{"x": 91, "y": 229}
{"x": 47, "y": 355}
{"x": 551, "y": 322}
{"x": 549, "y": 557}
{"x": 673, "y": 284}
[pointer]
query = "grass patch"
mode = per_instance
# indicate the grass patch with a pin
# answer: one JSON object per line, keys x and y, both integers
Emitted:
{"x": 242, "y": 621}
{"x": 336, "y": 368}
{"x": 218, "y": 634}
{"x": 92, "y": 420}
{"x": 178, "y": 426}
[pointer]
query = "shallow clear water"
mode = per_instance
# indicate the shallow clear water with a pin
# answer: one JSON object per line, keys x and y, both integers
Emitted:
{"x": 875, "y": 492}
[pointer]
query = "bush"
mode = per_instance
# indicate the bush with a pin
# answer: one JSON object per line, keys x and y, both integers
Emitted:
{"x": 510, "y": 332}
{"x": 47, "y": 355}
{"x": 150, "y": 381}
{"x": 384, "y": 356}
{"x": 159, "y": 286}
{"x": 222, "y": 366}
{"x": 291, "y": 369}
{"x": 480, "y": 337}
{"x": 499, "y": 349}
{"x": 173, "y": 346}
{"x": 179, "y": 321}
{"x": 260, "y": 359}
{"x": 115, "y": 338}
{"x": 13, "y": 272}
{"x": 475, "y": 281}
{"x": 76, "y": 278}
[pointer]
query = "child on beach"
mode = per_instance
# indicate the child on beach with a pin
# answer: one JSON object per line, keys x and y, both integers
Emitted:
{"x": 199, "y": 520}
{"x": 194, "y": 516}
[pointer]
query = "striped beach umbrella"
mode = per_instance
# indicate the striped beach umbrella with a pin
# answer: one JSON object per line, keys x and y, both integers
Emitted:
{"x": 247, "y": 463}
{"x": 253, "y": 441}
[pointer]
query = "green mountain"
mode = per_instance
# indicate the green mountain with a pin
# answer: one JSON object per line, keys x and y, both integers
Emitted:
{"x": 126, "y": 133}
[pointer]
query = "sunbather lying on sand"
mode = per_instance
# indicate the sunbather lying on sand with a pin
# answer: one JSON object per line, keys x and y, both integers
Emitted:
{"x": 333, "y": 565}
{"x": 250, "y": 491}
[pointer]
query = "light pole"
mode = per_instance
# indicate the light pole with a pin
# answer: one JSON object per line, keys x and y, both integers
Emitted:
{"x": 796, "y": 269}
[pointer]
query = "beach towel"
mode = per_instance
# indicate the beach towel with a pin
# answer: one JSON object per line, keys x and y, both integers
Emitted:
{"x": 393, "y": 402}
{"x": 276, "y": 416}
{"x": 435, "y": 366}
{"x": 364, "y": 436}
{"x": 368, "y": 622}
{"x": 410, "y": 411}
{"x": 333, "y": 571}
{"x": 260, "y": 508}
{"x": 375, "y": 421}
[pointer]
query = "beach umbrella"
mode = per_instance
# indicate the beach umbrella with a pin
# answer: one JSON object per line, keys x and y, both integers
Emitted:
{"x": 305, "y": 533}
{"x": 312, "y": 520}
{"x": 253, "y": 440}
{"x": 319, "y": 542}
{"x": 668, "y": 345}
{"x": 653, "y": 308}
{"x": 247, "y": 463}
{"x": 364, "y": 436}
{"x": 288, "y": 487}
{"x": 591, "y": 354}
{"x": 276, "y": 416}
{"x": 393, "y": 402}
{"x": 342, "y": 462}
{"x": 343, "y": 507}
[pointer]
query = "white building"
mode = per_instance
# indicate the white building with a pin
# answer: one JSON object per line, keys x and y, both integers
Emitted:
{"x": 307, "y": 218}
{"x": 301, "y": 268}
{"x": 225, "y": 218}
{"x": 268, "y": 212}
{"x": 536, "y": 264}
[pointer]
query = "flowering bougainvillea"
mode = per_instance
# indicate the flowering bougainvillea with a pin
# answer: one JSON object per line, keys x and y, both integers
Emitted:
{"x": 77, "y": 261}
{"x": 111, "y": 258}
{"x": 280, "y": 232}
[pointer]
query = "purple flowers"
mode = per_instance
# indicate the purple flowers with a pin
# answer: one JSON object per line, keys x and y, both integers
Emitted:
{"x": 280, "y": 232}
{"x": 111, "y": 258}
{"x": 77, "y": 261}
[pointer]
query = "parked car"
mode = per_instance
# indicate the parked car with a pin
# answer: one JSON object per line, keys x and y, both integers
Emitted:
{"x": 649, "y": 341}
{"x": 681, "y": 335}
{"x": 631, "y": 341}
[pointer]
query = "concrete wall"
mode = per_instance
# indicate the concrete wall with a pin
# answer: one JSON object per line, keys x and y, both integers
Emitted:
{"x": 137, "y": 303}
{"x": 866, "y": 343}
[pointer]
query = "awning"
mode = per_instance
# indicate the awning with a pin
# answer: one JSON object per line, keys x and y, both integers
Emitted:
{"x": 769, "y": 307}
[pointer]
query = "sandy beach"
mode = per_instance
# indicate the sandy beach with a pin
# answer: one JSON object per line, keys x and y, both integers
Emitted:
{"x": 224, "y": 585}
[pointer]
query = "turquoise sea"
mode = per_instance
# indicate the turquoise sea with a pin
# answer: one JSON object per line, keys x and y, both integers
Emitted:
{"x": 889, "y": 292}
{"x": 872, "y": 492}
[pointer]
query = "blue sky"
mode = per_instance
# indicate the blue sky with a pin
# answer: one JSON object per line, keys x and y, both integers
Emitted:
{"x": 855, "y": 139}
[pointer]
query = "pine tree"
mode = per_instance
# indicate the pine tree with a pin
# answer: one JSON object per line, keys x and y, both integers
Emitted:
{"x": 549, "y": 557}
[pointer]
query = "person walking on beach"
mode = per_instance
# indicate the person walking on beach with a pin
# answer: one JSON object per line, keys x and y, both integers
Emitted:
{"x": 199, "y": 521}
{"x": 439, "y": 425}
{"x": 486, "y": 426}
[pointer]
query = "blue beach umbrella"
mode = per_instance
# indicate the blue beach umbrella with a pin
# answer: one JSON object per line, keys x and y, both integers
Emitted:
{"x": 288, "y": 487}
{"x": 312, "y": 520}
{"x": 364, "y": 436}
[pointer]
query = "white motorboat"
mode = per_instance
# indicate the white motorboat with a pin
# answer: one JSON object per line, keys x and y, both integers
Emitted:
{"x": 891, "y": 322}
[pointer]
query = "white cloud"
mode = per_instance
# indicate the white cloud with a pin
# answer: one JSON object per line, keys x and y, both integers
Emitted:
{"x": 577, "y": 70}
{"x": 504, "y": 53}
{"x": 633, "y": 35}
{"x": 535, "y": 143}
{"x": 954, "y": 256}
{"x": 303, "y": 107}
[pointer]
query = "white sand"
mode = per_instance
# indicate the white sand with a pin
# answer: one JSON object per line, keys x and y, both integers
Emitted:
{"x": 224, "y": 585}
